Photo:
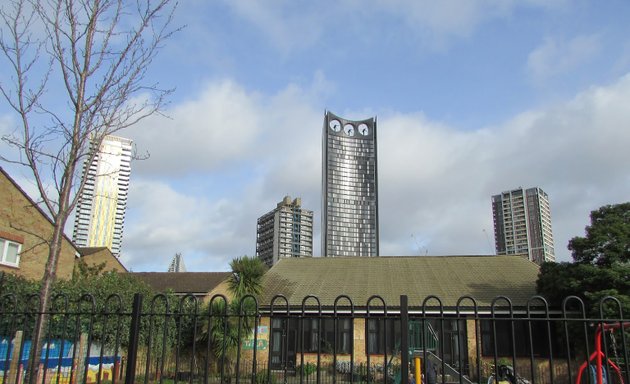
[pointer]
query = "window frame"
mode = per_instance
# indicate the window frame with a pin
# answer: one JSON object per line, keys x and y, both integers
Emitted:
{"x": 375, "y": 330}
{"x": 326, "y": 335}
{"x": 4, "y": 246}
{"x": 521, "y": 327}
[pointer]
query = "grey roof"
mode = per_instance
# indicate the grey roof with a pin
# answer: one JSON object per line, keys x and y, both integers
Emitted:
{"x": 182, "y": 282}
{"x": 447, "y": 277}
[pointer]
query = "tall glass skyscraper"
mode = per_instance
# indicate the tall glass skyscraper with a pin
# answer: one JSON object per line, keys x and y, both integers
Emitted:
{"x": 100, "y": 213}
{"x": 349, "y": 187}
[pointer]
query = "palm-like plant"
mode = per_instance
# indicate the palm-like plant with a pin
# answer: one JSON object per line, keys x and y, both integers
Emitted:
{"x": 246, "y": 279}
{"x": 228, "y": 326}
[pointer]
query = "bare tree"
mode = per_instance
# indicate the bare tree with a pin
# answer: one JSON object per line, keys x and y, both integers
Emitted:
{"x": 77, "y": 73}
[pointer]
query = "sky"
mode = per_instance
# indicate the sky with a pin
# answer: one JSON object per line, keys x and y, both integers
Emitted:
{"x": 472, "y": 98}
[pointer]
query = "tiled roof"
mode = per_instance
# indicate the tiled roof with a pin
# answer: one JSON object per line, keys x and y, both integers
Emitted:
{"x": 182, "y": 282}
{"x": 447, "y": 277}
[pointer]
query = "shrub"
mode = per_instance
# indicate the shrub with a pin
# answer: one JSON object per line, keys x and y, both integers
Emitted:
{"x": 307, "y": 369}
{"x": 262, "y": 377}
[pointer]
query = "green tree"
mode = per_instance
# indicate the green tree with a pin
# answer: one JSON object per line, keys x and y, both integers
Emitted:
{"x": 607, "y": 240}
{"x": 599, "y": 269}
{"x": 601, "y": 264}
{"x": 89, "y": 302}
{"x": 17, "y": 286}
{"x": 589, "y": 282}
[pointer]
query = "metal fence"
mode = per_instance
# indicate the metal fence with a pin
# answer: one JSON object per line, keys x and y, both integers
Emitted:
{"x": 188, "y": 340}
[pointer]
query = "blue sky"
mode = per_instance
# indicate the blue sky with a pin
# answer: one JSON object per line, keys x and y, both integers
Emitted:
{"x": 472, "y": 98}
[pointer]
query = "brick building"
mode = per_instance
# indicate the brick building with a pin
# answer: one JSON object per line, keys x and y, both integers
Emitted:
{"x": 317, "y": 305}
{"x": 25, "y": 232}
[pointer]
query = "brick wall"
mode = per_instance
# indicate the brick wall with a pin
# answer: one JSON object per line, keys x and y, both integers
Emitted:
{"x": 103, "y": 256}
{"x": 21, "y": 221}
{"x": 222, "y": 289}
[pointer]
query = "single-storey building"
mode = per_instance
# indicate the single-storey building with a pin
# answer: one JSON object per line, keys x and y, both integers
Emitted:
{"x": 349, "y": 308}
{"x": 200, "y": 284}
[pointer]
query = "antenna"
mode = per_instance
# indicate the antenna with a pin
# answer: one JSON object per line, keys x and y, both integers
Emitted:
{"x": 416, "y": 242}
{"x": 426, "y": 250}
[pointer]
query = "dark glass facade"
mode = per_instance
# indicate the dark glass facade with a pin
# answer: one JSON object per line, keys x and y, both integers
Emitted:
{"x": 350, "y": 187}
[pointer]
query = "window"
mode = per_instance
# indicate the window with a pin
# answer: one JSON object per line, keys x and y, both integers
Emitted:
{"x": 382, "y": 334}
{"x": 10, "y": 252}
{"x": 503, "y": 342}
{"x": 312, "y": 334}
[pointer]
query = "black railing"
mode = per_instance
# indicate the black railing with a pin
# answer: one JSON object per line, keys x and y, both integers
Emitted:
{"x": 161, "y": 340}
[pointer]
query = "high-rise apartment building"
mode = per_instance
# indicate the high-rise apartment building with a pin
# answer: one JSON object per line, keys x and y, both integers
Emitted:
{"x": 284, "y": 232}
{"x": 522, "y": 224}
{"x": 100, "y": 213}
{"x": 350, "y": 187}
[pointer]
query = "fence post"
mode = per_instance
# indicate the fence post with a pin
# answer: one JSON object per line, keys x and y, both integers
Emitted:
{"x": 404, "y": 342}
{"x": 134, "y": 337}
{"x": 81, "y": 358}
{"x": 16, "y": 359}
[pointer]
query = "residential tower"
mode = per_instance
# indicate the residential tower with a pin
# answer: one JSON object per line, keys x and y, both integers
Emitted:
{"x": 284, "y": 232}
{"x": 100, "y": 213}
{"x": 349, "y": 187}
{"x": 522, "y": 224}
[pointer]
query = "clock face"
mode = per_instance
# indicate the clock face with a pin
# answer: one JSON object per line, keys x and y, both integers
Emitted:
{"x": 363, "y": 129}
{"x": 349, "y": 129}
{"x": 335, "y": 125}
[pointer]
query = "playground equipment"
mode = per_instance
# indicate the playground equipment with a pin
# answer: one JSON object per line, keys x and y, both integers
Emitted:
{"x": 506, "y": 375}
{"x": 598, "y": 356}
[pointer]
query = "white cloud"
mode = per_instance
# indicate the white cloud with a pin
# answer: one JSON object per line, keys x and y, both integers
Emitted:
{"x": 293, "y": 26}
{"x": 288, "y": 24}
{"x": 445, "y": 18}
{"x": 556, "y": 56}
{"x": 227, "y": 126}
{"x": 453, "y": 17}
{"x": 163, "y": 221}
{"x": 434, "y": 185}
{"x": 168, "y": 213}
{"x": 220, "y": 125}
{"x": 435, "y": 182}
